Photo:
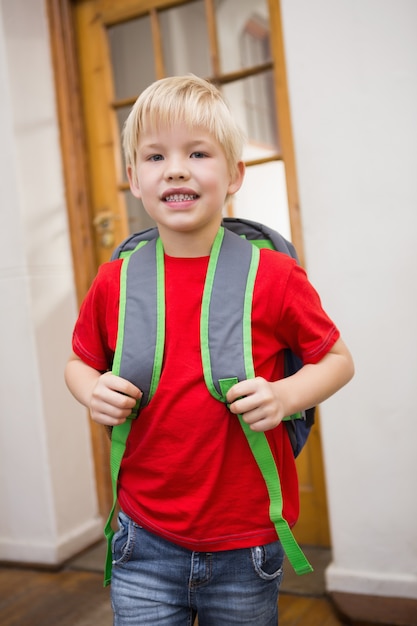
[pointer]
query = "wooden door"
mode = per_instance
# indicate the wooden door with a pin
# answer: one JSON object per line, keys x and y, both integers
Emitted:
{"x": 117, "y": 49}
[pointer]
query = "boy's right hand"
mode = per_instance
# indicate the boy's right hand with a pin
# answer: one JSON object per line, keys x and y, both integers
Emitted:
{"x": 113, "y": 399}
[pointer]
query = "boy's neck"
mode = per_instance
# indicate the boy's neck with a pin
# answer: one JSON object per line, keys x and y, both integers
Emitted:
{"x": 188, "y": 244}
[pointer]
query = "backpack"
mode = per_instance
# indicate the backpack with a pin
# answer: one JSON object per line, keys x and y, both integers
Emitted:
{"x": 262, "y": 236}
{"x": 225, "y": 344}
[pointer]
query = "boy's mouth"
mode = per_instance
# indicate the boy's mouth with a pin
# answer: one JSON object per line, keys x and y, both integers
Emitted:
{"x": 180, "y": 197}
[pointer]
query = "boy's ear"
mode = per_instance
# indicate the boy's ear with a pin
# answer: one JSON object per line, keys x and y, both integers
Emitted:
{"x": 237, "y": 180}
{"x": 134, "y": 187}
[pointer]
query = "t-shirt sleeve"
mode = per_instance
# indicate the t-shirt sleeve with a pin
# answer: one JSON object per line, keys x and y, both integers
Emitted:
{"x": 95, "y": 332}
{"x": 304, "y": 325}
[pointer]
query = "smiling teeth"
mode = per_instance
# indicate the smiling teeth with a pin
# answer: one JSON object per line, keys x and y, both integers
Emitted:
{"x": 180, "y": 197}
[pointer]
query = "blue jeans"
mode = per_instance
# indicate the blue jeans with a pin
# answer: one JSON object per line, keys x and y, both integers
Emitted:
{"x": 155, "y": 582}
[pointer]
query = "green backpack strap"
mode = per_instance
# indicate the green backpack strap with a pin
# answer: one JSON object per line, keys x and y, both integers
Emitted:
{"x": 263, "y": 455}
{"x": 118, "y": 445}
{"x": 222, "y": 338}
{"x": 143, "y": 269}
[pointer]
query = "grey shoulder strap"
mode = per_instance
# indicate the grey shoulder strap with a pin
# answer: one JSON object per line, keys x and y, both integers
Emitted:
{"x": 141, "y": 327}
{"x": 226, "y": 337}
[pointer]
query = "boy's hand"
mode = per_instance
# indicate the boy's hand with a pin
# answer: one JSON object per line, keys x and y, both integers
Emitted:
{"x": 112, "y": 399}
{"x": 257, "y": 401}
{"x": 264, "y": 404}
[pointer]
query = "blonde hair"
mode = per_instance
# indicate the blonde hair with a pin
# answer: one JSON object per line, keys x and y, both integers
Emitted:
{"x": 183, "y": 99}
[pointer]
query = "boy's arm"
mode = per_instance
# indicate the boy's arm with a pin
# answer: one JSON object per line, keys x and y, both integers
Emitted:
{"x": 109, "y": 398}
{"x": 264, "y": 404}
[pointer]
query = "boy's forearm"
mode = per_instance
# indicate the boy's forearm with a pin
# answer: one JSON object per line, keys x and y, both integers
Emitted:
{"x": 81, "y": 380}
{"x": 313, "y": 384}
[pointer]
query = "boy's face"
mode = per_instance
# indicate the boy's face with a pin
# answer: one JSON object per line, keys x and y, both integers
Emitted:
{"x": 183, "y": 179}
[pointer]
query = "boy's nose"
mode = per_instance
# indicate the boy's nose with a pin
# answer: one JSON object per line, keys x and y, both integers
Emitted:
{"x": 176, "y": 171}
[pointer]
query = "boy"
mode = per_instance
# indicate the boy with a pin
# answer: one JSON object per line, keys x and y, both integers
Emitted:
{"x": 195, "y": 536}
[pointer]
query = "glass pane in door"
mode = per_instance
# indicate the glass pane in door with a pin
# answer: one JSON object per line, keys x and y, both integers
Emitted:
{"x": 131, "y": 53}
{"x": 137, "y": 217}
{"x": 185, "y": 40}
{"x": 263, "y": 197}
{"x": 242, "y": 33}
{"x": 253, "y": 103}
{"x": 121, "y": 114}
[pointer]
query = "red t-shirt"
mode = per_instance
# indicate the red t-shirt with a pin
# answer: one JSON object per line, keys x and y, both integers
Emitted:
{"x": 188, "y": 474}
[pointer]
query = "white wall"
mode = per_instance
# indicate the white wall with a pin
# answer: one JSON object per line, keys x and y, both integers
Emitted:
{"x": 47, "y": 490}
{"x": 352, "y": 69}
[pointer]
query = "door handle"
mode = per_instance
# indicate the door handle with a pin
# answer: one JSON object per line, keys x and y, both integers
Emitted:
{"x": 104, "y": 223}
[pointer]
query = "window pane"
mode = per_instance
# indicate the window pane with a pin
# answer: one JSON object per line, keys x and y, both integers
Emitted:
{"x": 270, "y": 207}
{"x": 132, "y": 57}
{"x": 253, "y": 103}
{"x": 242, "y": 33}
{"x": 121, "y": 115}
{"x": 137, "y": 217}
{"x": 185, "y": 40}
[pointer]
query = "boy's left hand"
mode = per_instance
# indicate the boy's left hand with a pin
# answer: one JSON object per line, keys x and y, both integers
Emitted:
{"x": 257, "y": 401}
{"x": 263, "y": 404}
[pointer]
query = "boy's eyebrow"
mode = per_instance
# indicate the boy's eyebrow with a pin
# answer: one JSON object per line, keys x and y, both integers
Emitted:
{"x": 157, "y": 145}
{"x": 149, "y": 145}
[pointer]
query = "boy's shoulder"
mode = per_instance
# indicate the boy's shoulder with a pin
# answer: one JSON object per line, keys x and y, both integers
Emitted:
{"x": 276, "y": 276}
{"x": 107, "y": 278}
{"x": 274, "y": 264}
{"x": 107, "y": 270}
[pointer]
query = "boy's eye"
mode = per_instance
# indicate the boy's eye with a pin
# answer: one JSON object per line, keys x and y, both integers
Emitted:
{"x": 156, "y": 157}
{"x": 198, "y": 155}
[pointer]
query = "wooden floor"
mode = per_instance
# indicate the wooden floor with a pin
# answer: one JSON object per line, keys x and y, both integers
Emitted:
{"x": 77, "y": 598}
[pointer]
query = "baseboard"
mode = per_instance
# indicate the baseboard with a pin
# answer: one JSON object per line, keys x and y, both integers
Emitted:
{"x": 54, "y": 553}
{"x": 384, "y": 584}
{"x": 367, "y": 609}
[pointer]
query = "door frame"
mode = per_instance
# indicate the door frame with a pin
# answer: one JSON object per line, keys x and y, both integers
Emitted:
{"x": 77, "y": 187}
